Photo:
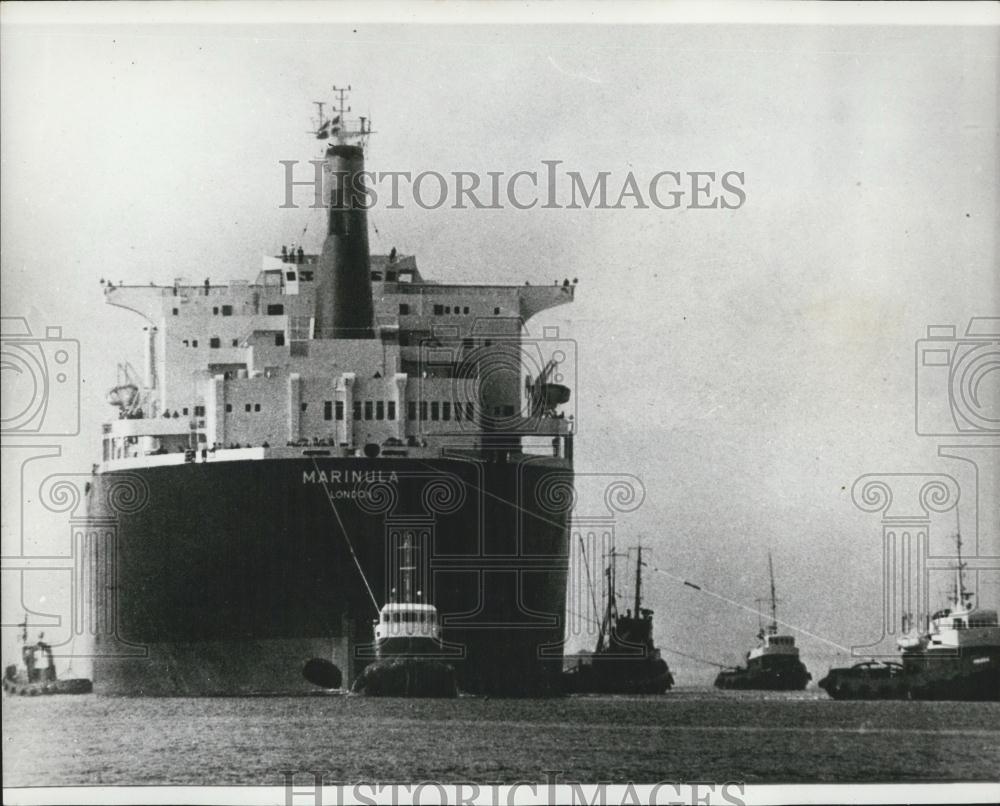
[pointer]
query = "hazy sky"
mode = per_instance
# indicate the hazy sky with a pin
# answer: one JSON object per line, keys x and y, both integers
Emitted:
{"x": 748, "y": 365}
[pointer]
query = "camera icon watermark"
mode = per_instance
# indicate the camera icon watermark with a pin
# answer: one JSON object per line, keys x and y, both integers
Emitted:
{"x": 496, "y": 379}
{"x": 957, "y": 396}
{"x": 77, "y": 576}
{"x": 41, "y": 381}
{"x": 957, "y": 379}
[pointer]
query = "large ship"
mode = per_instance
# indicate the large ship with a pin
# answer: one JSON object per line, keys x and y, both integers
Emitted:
{"x": 773, "y": 665}
{"x": 625, "y": 660}
{"x": 284, "y": 438}
{"x": 955, "y": 657}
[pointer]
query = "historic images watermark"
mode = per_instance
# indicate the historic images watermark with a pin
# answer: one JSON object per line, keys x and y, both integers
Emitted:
{"x": 957, "y": 401}
{"x": 41, "y": 381}
{"x": 53, "y": 593}
{"x": 478, "y": 373}
{"x": 956, "y": 391}
{"x": 316, "y": 788}
{"x": 549, "y": 187}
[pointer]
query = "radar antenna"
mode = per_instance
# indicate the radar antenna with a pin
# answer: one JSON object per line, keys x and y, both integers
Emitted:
{"x": 336, "y": 127}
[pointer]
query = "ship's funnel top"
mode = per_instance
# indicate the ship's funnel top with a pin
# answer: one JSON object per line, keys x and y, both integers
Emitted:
{"x": 344, "y": 307}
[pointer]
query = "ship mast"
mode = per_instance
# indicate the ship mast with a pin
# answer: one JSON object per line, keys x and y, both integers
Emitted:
{"x": 774, "y": 599}
{"x": 407, "y": 570}
{"x": 611, "y": 613}
{"x": 590, "y": 583}
{"x": 960, "y": 594}
{"x": 638, "y": 581}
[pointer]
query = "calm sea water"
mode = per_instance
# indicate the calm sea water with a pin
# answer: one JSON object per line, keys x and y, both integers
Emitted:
{"x": 685, "y": 735}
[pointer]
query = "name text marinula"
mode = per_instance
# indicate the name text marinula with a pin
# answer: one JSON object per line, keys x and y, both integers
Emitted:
{"x": 348, "y": 477}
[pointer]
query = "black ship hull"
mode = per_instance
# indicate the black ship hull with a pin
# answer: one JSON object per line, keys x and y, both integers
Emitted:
{"x": 18, "y": 687}
{"x": 221, "y": 578}
{"x": 415, "y": 672}
{"x": 619, "y": 675}
{"x": 413, "y": 647}
{"x": 408, "y": 666}
{"x": 768, "y": 673}
{"x": 866, "y": 681}
{"x": 407, "y": 677}
{"x": 971, "y": 675}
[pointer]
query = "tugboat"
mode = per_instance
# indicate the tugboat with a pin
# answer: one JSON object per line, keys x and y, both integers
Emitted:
{"x": 409, "y": 653}
{"x": 39, "y": 673}
{"x": 625, "y": 660}
{"x": 773, "y": 665}
{"x": 956, "y": 657}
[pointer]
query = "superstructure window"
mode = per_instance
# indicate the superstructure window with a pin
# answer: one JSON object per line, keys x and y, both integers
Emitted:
{"x": 357, "y": 409}
{"x": 305, "y": 276}
{"x": 303, "y": 406}
{"x": 229, "y": 408}
{"x": 404, "y": 309}
{"x": 496, "y": 311}
{"x": 215, "y": 342}
{"x": 246, "y": 408}
{"x": 368, "y": 409}
{"x": 438, "y": 310}
{"x": 236, "y": 342}
{"x": 392, "y": 409}
{"x": 227, "y": 310}
{"x": 379, "y": 410}
{"x": 256, "y": 406}
{"x": 411, "y": 410}
{"x": 176, "y": 311}
{"x": 275, "y": 309}
{"x": 290, "y": 276}
{"x": 446, "y": 411}
{"x": 340, "y": 409}
{"x": 194, "y": 343}
{"x": 215, "y": 310}
{"x": 327, "y": 409}
{"x": 199, "y": 411}
{"x": 435, "y": 410}
{"x": 423, "y": 409}
{"x": 279, "y": 339}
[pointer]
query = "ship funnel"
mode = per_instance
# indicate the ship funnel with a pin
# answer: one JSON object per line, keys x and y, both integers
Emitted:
{"x": 343, "y": 278}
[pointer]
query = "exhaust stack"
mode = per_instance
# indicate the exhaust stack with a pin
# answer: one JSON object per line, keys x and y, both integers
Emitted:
{"x": 343, "y": 306}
